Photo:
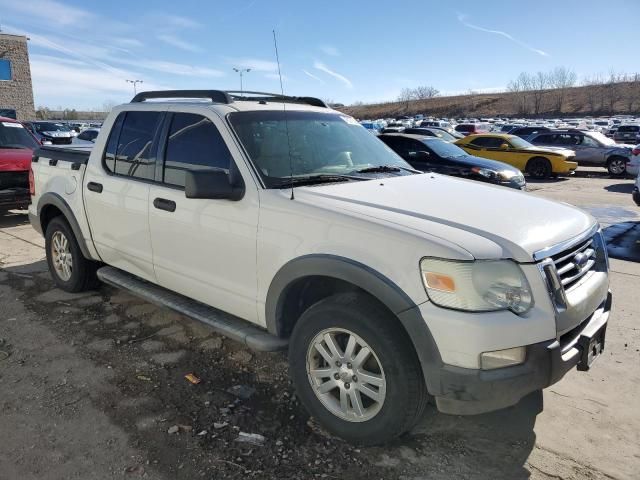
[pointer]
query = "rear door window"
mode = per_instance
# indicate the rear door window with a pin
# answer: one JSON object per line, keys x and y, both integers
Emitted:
{"x": 129, "y": 149}
{"x": 194, "y": 143}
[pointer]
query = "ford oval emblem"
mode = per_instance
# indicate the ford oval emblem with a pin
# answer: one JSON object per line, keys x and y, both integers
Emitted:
{"x": 580, "y": 260}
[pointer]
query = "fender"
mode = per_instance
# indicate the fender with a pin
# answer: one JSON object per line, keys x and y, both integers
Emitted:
{"x": 57, "y": 201}
{"x": 371, "y": 281}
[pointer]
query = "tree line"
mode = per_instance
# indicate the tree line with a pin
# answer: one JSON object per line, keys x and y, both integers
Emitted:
{"x": 534, "y": 94}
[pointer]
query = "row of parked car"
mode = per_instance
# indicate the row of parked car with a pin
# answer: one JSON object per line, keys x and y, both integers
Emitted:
{"x": 583, "y": 146}
{"x": 60, "y": 133}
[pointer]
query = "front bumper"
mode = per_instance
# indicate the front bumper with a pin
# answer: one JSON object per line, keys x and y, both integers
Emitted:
{"x": 14, "y": 198}
{"x": 469, "y": 391}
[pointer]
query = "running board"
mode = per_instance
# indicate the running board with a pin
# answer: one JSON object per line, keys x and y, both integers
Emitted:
{"x": 223, "y": 323}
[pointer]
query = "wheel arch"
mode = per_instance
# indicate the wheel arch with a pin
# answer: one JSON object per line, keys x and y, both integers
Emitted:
{"x": 287, "y": 300}
{"x": 52, "y": 205}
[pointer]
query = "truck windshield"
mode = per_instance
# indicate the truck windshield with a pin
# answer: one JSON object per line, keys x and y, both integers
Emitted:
{"x": 14, "y": 136}
{"x": 309, "y": 143}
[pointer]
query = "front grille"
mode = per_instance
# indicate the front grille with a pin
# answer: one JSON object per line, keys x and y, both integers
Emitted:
{"x": 574, "y": 263}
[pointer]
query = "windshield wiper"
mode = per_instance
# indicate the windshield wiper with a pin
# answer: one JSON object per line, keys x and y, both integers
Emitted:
{"x": 315, "y": 179}
{"x": 386, "y": 169}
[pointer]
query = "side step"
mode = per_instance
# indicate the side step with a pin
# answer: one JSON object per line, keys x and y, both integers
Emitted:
{"x": 228, "y": 325}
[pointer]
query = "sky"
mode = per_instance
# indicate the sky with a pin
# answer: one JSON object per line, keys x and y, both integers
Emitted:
{"x": 345, "y": 51}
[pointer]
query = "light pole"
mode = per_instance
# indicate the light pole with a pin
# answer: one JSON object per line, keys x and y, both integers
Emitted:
{"x": 134, "y": 82}
{"x": 241, "y": 71}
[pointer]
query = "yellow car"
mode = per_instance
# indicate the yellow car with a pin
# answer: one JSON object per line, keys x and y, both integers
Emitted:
{"x": 535, "y": 161}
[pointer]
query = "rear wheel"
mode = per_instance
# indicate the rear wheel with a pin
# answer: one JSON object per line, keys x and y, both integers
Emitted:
{"x": 69, "y": 269}
{"x": 617, "y": 166}
{"x": 355, "y": 370}
{"x": 539, "y": 167}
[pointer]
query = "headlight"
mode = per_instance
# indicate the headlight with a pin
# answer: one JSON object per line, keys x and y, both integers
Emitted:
{"x": 485, "y": 172}
{"x": 479, "y": 286}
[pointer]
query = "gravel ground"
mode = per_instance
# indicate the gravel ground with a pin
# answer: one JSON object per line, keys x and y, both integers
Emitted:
{"x": 93, "y": 386}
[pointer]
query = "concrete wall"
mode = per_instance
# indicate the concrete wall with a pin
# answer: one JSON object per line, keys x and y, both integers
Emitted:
{"x": 17, "y": 93}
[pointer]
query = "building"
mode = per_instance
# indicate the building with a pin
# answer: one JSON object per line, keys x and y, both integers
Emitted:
{"x": 16, "y": 91}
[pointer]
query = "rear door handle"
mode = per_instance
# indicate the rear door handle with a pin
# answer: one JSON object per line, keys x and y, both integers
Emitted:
{"x": 164, "y": 204}
{"x": 95, "y": 187}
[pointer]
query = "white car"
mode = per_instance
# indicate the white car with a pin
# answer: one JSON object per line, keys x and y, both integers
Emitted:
{"x": 86, "y": 137}
{"x": 633, "y": 164}
{"x": 295, "y": 229}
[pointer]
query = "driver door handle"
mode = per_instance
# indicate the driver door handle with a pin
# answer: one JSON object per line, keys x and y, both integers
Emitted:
{"x": 94, "y": 187}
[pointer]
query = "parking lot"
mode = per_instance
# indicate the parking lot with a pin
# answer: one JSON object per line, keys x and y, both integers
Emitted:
{"x": 93, "y": 386}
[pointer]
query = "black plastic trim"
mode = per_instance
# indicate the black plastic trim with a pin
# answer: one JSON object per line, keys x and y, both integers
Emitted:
{"x": 56, "y": 154}
{"x": 217, "y": 96}
{"x": 369, "y": 280}
{"x": 57, "y": 201}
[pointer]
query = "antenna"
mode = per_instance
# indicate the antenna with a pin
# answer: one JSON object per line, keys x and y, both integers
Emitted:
{"x": 284, "y": 110}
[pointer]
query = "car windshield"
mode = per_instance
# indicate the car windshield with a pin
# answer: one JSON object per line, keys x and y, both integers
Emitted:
{"x": 309, "y": 143}
{"x": 14, "y": 136}
{"x": 518, "y": 142}
{"x": 603, "y": 139}
{"x": 445, "y": 149}
{"x": 443, "y": 134}
{"x": 51, "y": 127}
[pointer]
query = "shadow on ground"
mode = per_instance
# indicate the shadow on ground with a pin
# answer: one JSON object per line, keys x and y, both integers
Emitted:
{"x": 620, "y": 188}
{"x": 623, "y": 240}
{"x": 13, "y": 218}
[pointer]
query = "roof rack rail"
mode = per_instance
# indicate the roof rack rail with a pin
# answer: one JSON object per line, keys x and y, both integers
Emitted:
{"x": 227, "y": 96}
{"x": 217, "y": 96}
{"x": 264, "y": 96}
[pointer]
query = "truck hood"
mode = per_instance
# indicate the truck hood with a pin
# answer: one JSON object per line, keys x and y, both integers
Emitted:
{"x": 458, "y": 211}
{"x": 15, "y": 160}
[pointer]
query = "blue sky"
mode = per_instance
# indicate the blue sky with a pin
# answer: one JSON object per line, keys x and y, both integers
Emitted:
{"x": 347, "y": 51}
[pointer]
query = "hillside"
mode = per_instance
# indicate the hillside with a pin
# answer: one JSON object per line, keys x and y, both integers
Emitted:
{"x": 604, "y": 99}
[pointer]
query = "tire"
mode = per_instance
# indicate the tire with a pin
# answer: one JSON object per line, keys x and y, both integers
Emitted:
{"x": 539, "y": 167}
{"x": 402, "y": 391}
{"x": 70, "y": 271}
{"x": 617, "y": 166}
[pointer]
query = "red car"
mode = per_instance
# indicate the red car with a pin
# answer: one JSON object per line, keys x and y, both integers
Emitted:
{"x": 16, "y": 149}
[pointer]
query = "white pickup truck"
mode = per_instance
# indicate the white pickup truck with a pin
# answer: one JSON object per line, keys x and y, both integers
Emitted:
{"x": 283, "y": 224}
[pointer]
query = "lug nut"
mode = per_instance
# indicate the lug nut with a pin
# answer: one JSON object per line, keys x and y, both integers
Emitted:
{"x": 347, "y": 385}
{"x": 338, "y": 364}
{"x": 355, "y": 379}
{"x": 348, "y": 365}
{"x": 336, "y": 376}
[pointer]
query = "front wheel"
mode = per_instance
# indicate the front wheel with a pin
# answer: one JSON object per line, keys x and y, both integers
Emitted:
{"x": 355, "y": 370}
{"x": 70, "y": 270}
{"x": 617, "y": 166}
{"x": 539, "y": 168}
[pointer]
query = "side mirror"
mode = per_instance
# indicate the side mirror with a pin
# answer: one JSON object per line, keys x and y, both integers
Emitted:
{"x": 215, "y": 185}
{"x": 421, "y": 154}
{"x": 504, "y": 146}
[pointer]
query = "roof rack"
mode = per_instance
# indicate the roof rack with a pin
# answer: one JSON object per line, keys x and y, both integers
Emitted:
{"x": 217, "y": 96}
{"x": 228, "y": 96}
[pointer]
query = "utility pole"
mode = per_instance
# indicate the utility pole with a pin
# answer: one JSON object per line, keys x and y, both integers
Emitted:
{"x": 134, "y": 82}
{"x": 241, "y": 71}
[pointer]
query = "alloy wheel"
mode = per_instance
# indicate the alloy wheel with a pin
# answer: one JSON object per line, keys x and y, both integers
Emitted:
{"x": 346, "y": 375}
{"x": 61, "y": 256}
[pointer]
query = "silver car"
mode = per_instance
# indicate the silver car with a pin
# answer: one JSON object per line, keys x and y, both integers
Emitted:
{"x": 592, "y": 148}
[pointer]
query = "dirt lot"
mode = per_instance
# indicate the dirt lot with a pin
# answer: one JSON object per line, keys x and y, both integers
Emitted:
{"x": 92, "y": 387}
